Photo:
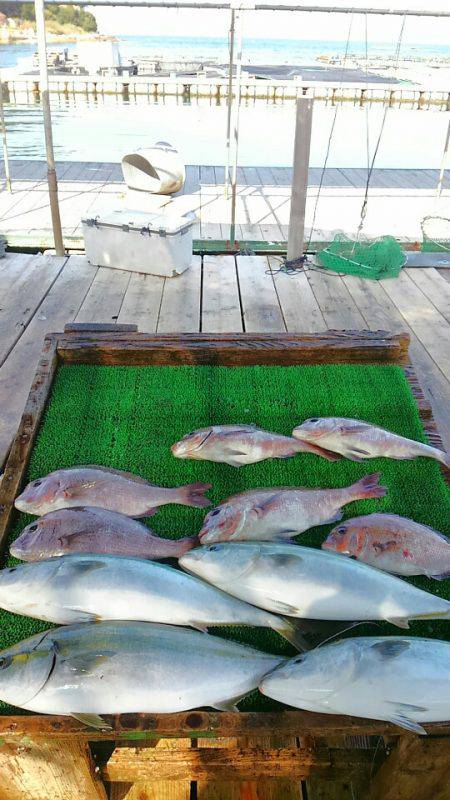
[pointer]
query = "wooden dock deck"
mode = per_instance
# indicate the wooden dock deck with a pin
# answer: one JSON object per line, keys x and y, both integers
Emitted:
{"x": 41, "y": 293}
{"x": 399, "y": 199}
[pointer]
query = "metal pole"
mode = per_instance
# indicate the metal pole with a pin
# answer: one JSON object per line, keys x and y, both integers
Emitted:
{"x": 191, "y": 4}
{"x": 5, "y": 143}
{"x": 444, "y": 161}
{"x": 230, "y": 100}
{"x": 237, "y": 93}
{"x": 51, "y": 171}
{"x": 302, "y": 143}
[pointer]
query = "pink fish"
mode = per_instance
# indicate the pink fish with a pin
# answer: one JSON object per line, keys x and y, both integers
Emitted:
{"x": 105, "y": 488}
{"x": 242, "y": 444}
{"x": 94, "y": 530}
{"x": 393, "y": 544}
{"x": 357, "y": 440}
{"x": 283, "y": 512}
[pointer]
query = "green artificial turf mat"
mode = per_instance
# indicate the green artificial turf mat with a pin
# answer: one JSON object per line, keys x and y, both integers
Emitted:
{"x": 128, "y": 417}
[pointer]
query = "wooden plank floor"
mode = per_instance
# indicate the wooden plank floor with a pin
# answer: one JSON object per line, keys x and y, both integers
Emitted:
{"x": 399, "y": 199}
{"x": 218, "y": 293}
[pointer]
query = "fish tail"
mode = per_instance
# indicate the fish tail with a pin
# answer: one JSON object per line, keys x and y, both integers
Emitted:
{"x": 307, "y": 447}
{"x": 193, "y": 495}
{"x": 368, "y": 487}
{"x": 186, "y": 544}
{"x": 443, "y": 457}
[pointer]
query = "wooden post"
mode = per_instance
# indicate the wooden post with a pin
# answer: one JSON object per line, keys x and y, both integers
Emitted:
{"x": 5, "y": 144}
{"x": 229, "y": 101}
{"x": 418, "y": 767}
{"x": 51, "y": 171}
{"x": 237, "y": 99}
{"x": 302, "y": 145}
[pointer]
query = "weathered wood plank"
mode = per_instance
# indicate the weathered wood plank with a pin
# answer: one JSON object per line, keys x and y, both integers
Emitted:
{"x": 142, "y": 301}
{"x": 221, "y": 310}
{"x": 211, "y": 789}
{"x": 23, "y": 296}
{"x": 381, "y": 313}
{"x": 180, "y": 305}
{"x": 240, "y": 763}
{"x": 260, "y": 304}
{"x": 48, "y": 770}
{"x": 105, "y": 296}
{"x": 434, "y": 287}
{"x": 155, "y": 789}
{"x": 60, "y": 306}
{"x": 418, "y": 768}
{"x": 336, "y": 304}
{"x": 300, "y": 309}
{"x": 428, "y": 324}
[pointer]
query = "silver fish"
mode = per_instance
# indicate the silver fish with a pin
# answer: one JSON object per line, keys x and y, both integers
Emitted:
{"x": 282, "y": 512}
{"x": 357, "y": 440}
{"x": 405, "y": 681}
{"x": 102, "y": 487}
{"x": 394, "y": 544}
{"x": 316, "y": 584}
{"x": 83, "y": 588}
{"x": 94, "y": 530}
{"x": 128, "y": 667}
{"x": 238, "y": 445}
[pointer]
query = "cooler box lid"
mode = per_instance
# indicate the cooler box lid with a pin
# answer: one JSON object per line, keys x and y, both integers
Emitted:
{"x": 158, "y": 224}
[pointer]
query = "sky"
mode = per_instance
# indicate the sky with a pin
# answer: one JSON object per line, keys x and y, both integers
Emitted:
{"x": 282, "y": 24}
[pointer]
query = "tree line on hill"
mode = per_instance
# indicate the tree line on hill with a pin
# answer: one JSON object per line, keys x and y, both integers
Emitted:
{"x": 64, "y": 15}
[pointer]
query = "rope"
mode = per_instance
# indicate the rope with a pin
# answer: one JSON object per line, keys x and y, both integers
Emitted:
{"x": 333, "y": 125}
{"x": 383, "y": 122}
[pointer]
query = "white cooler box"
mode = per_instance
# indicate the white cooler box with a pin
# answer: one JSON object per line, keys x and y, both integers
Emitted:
{"x": 157, "y": 244}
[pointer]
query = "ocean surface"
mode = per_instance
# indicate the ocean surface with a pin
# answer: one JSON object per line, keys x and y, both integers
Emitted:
{"x": 255, "y": 51}
{"x": 105, "y": 128}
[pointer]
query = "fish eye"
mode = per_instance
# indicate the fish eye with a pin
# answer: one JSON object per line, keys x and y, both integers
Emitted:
{"x": 5, "y": 661}
{"x": 298, "y": 659}
{"x": 214, "y": 547}
{"x": 314, "y": 419}
{"x": 215, "y": 512}
{"x": 33, "y": 527}
{"x": 37, "y": 483}
{"x": 341, "y": 529}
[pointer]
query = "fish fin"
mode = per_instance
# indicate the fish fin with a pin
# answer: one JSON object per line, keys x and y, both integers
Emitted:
{"x": 306, "y": 634}
{"x": 83, "y": 566}
{"x": 231, "y": 704}
{"x": 360, "y": 427}
{"x": 286, "y": 533}
{"x": 82, "y": 616}
{"x": 388, "y": 649}
{"x": 400, "y": 622}
{"x": 440, "y": 577}
{"x": 266, "y": 505}
{"x": 193, "y": 495}
{"x": 199, "y": 626}
{"x": 408, "y": 724}
{"x": 149, "y": 512}
{"x": 282, "y": 608}
{"x": 92, "y": 720}
{"x": 407, "y": 708}
{"x": 122, "y": 473}
{"x": 282, "y": 560}
{"x": 369, "y": 487}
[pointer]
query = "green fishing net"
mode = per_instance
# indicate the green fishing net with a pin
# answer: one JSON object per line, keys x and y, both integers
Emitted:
{"x": 435, "y": 235}
{"x": 367, "y": 258}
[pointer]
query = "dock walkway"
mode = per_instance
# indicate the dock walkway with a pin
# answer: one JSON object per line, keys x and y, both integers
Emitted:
{"x": 399, "y": 199}
{"x": 217, "y": 294}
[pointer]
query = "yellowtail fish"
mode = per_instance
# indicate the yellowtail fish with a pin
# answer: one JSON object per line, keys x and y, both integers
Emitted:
{"x": 402, "y": 680}
{"x": 102, "y": 487}
{"x": 242, "y": 444}
{"x": 357, "y": 440}
{"x": 91, "y": 669}
{"x": 394, "y": 544}
{"x": 282, "y": 512}
{"x": 94, "y": 530}
{"x": 313, "y": 584}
